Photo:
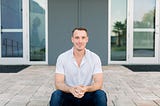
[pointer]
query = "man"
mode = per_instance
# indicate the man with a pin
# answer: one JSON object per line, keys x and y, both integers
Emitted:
{"x": 78, "y": 76}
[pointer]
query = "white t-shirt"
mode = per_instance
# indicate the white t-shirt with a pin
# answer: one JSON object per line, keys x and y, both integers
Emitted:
{"x": 74, "y": 75}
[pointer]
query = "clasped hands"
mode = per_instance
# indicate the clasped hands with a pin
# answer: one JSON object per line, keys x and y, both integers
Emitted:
{"x": 78, "y": 91}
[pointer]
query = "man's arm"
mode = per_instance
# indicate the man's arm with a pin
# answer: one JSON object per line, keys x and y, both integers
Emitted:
{"x": 97, "y": 84}
{"x": 60, "y": 84}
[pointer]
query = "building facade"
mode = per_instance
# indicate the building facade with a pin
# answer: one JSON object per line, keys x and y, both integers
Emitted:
{"x": 120, "y": 31}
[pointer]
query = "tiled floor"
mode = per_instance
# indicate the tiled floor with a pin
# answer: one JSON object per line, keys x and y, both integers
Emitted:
{"x": 127, "y": 88}
{"x": 34, "y": 85}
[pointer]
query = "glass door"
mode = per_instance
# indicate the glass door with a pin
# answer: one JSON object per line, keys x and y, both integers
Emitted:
{"x": 144, "y": 32}
{"x": 38, "y": 31}
{"x": 117, "y": 31}
{"x": 12, "y": 35}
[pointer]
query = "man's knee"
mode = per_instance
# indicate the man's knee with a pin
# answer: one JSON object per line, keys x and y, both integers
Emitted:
{"x": 101, "y": 96}
{"x": 57, "y": 92}
{"x": 56, "y": 98}
{"x": 100, "y": 93}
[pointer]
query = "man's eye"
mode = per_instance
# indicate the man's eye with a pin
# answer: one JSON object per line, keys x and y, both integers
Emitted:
{"x": 76, "y": 37}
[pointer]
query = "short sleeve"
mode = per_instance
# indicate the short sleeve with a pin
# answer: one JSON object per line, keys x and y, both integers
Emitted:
{"x": 59, "y": 65}
{"x": 97, "y": 65}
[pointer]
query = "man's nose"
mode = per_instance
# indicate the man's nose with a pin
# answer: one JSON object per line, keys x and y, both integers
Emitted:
{"x": 80, "y": 40}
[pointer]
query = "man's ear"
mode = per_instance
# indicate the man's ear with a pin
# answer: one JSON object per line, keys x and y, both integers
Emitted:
{"x": 87, "y": 39}
{"x": 72, "y": 39}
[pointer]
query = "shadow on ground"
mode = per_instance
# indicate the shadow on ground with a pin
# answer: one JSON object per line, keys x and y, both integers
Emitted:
{"x": 143, "y": 68}
{"x": 12, "y": 68}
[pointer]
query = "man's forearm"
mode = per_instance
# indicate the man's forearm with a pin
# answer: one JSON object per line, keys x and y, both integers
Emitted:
{"x": 73, "y": 90}
{"x": 93, "y": 87}
{"x": 63, "y": 87}
{"x": 97, "y": 84}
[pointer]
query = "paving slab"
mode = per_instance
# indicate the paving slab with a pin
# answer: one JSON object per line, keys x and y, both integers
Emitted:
{"x": 34, "y": 85}
{"x": 145, "y": 103}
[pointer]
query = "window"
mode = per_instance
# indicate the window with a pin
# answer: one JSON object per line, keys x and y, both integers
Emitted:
{"x": 118, "y": 30}
{"x": 37, "y": 26}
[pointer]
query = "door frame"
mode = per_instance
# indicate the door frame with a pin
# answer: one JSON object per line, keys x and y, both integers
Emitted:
{"x": 129, "y": 37}
{"x": 16, "y": 60}
{"x": 143, "y": 60}
{"x": 25, "y": 31}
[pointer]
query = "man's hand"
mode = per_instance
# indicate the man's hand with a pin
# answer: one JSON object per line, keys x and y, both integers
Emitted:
{"x": 78, "y": 91}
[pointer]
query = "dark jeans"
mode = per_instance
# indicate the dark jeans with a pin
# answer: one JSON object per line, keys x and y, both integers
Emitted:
{"x": 97, "y": 98}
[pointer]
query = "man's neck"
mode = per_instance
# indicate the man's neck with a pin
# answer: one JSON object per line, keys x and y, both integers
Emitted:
{"x": 78, "y": 53}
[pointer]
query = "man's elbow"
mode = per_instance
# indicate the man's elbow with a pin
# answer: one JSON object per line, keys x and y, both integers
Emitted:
{"x": 57, "y": 85}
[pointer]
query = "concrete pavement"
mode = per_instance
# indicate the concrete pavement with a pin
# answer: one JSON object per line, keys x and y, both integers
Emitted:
{"x": 127, "y": 88}
{"x": 33, "y": 87}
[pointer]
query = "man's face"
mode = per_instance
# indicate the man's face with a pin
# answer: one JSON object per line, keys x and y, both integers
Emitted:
{"x": 79, "y": 39}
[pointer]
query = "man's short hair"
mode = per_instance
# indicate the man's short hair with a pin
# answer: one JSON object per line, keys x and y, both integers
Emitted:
{"x": 79, "y": 28}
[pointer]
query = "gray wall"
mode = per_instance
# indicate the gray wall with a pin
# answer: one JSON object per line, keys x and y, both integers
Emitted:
{"x": 64, "y": 15}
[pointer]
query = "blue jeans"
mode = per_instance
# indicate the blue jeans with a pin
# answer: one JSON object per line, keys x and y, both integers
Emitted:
{"x": 96, "y": 98}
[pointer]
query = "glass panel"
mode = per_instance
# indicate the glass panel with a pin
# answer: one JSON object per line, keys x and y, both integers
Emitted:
{"x": 118, "y": 30}
{"x": 144, "y": 18}
{"x": 12, "y": 45}
{"x": 11, "y": 14}
{"x": 37, "y": 30}
{"x": 143, "y": 44}
{"x": 144, "y": 13}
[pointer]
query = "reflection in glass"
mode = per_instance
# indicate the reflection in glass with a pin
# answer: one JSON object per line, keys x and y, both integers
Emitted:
{"x": 144, "y": 15}
{"x": 118, "y": 30}
{"x": 37, "y": 30}
{"x": 12, "y": 45}
{"x": 144, "y": 28}
{"x": 143, "y": 44}
{"x": 11, "y": 9}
